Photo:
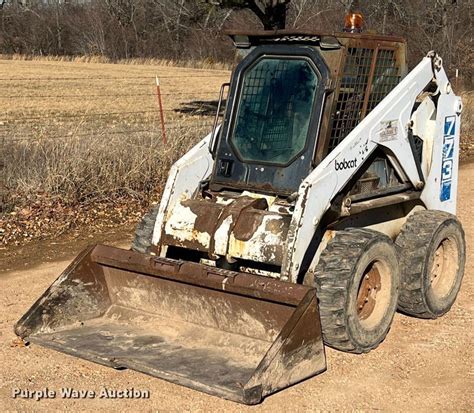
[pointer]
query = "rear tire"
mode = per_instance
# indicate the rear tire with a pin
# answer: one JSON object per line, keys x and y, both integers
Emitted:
{"x": 144, "y": 232}
{"x": 357, "y": 280}
{"x": 433, "y": 255}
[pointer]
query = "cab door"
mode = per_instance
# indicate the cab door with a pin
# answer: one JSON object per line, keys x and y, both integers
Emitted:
{"x": 271, "y": 124}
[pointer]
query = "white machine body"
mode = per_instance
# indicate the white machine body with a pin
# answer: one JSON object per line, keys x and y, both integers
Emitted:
{"x": 387, "y": 126}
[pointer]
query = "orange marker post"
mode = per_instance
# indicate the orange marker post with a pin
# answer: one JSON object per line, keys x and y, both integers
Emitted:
{"x": 162, "y": 115}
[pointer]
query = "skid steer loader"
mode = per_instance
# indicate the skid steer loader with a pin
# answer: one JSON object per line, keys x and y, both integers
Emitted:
{"x": 322, "y": 201}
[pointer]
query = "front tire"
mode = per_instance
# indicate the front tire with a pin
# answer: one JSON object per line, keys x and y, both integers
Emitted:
{"x": 433, "y": 256}
{"x": 144, "y": 232}
{"x": 357, "y": 280}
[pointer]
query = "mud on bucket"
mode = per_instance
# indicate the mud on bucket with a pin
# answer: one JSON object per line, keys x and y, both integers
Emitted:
{"x": 229, "y": 334}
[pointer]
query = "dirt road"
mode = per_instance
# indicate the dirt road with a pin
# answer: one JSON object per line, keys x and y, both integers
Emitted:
{"x": 421, "y": 366}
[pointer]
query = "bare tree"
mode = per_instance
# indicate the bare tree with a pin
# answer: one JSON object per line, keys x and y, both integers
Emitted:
{"x": 272, "y": 13}
{"x": 191, "y": 29}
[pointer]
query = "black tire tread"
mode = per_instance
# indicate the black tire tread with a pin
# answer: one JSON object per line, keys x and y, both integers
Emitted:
{"x": 144, "y": 231}
{"x": 414, "y": 243}
{"x": 332, "y": 279}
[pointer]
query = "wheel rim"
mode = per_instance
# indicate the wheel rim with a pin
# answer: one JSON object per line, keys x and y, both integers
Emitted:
{"x": 373, "y": 296}
{"x": 444, "y": 268}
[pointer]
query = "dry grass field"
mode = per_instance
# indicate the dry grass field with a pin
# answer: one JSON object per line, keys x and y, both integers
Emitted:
{"x": 80, "y": 132}
{"x": 467, "y": 131}
{"x": 46, "y": 88}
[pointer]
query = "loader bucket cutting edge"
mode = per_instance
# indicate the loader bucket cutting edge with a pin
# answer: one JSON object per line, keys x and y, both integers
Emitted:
{"x": 229, "y": 334}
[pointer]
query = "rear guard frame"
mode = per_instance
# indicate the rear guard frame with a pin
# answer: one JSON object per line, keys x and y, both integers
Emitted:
{"x": 229, "y": 334}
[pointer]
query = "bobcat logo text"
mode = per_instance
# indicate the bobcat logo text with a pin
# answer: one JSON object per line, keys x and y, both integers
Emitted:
{"x": 342, "y": 165}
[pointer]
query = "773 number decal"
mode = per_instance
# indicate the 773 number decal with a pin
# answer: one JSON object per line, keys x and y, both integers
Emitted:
{"x": 448, "y": 158}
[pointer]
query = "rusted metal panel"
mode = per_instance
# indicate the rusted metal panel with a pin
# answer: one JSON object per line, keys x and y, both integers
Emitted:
{"x": 229, "y": 334}
{"x": 240, "y": 227}
{"x": 183, "y": 179}
{"x": 181, "y": 229}
{"x": 369, "y": 84}
{"x": 259, "y": 236}
{"x": 229, "y": 218}
{"x": 354, "y": 97}
{"x": 337, "y": 68}
{"x": 358, "y": 207}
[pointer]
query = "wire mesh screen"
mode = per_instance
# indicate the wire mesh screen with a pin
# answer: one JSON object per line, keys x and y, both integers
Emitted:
{"x": 352, "y": 92}
{"x": 257, "y": 95}
{"x": 386, "y": 77}
{"x": 275, "y": 110}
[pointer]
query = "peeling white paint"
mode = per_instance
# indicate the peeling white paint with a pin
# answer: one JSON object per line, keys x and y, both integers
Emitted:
{"x": 262, "y": 241}
{"x": 180, "y": 226}
{"x": 184, "y": 176}
{"x": 203, "y": 238}
{"x": 221, "y": 236}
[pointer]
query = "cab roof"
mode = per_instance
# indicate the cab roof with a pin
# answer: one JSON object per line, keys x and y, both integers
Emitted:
{"x": 245, "y": 39}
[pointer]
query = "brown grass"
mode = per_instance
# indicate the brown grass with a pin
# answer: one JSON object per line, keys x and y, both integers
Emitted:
{"x": 467, "y": 125}
{"x": 98, "y": 168}
{"x": 206, "y": 64}
{"x": 75, "y": 133}
{"x": 92, "y": 130}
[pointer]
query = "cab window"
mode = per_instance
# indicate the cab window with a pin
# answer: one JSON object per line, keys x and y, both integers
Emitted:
{"x": 274, "y": 113}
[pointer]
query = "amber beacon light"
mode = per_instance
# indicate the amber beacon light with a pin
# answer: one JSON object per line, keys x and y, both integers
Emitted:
{"x": 353, "y": 22}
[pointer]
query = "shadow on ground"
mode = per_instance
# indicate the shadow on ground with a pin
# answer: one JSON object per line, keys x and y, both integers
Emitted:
{"x": 200, "y": 107}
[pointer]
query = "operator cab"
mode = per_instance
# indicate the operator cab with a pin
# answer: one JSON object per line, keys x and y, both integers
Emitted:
{"x": 292, "y": 99}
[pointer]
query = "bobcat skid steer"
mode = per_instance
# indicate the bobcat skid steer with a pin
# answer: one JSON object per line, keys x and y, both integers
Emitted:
{"x": 322, "y": 201}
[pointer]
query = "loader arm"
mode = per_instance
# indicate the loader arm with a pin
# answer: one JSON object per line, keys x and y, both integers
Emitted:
{"x": 183, "y": 179}
{"x": 332, "y": 174}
